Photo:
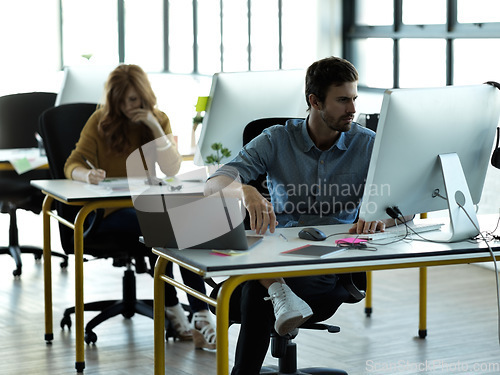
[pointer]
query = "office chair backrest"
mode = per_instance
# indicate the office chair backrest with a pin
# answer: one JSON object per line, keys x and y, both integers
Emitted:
{"x": 252, "y": 130}
{"x": 495, "y": 157}
{"x": 60, "y": 128}
{"x": 19, "y": 115}
{"x": 255, "y": 127}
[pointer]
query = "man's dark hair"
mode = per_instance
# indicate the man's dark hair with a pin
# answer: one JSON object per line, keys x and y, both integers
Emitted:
{"x": 326, "y": 72}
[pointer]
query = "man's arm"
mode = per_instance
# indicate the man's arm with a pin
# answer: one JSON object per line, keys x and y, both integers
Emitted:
{"x": 259, "y": 208}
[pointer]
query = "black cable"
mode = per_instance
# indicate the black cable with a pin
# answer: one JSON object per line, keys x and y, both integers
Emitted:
{"x": 494, "y": 264}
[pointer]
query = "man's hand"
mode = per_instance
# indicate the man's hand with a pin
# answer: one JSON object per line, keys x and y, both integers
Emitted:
{"x": 367, "y": 226}
{"x": 260, "y": 210}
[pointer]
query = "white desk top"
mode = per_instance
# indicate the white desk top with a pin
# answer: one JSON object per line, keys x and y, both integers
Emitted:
{"x": 23, "y": 159}
{"x": 75, "y": 191}
{"x": 267, "y": 257}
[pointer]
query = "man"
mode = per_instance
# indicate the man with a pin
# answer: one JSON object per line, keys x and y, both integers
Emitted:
{"x": 316, "y": 171}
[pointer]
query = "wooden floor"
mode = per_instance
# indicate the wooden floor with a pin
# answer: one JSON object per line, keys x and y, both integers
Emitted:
{"x": 462, "y": 324}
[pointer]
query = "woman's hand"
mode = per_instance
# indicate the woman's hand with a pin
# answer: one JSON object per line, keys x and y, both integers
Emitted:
{"x": 94, "y": 176}
{"x": 147, "y": 117}
{"x": 90, "y": 176}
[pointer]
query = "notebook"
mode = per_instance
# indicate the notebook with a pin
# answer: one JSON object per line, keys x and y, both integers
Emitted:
{"x": 193, "y": 222}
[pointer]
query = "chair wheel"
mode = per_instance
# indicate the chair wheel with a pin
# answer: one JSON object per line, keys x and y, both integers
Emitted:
{"x": 90, "y": 337}
{"x": 17, "y": 272}
{"x": 37, "y": 256}
{"x": 66, "y": 321}
{"x": 170, "y": 332}
{"x": 128, "y": 315}
{"x": 64, "y": 264}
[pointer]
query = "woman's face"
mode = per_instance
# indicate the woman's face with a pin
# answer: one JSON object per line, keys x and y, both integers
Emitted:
{"x": 131, "y": 102}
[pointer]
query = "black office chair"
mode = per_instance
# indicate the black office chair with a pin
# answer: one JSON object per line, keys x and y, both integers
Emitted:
{"x": 283, "y": 347}
{"x": 18, "y": 124}
{"x": 495, "y": 157}
{"x": 60, "y": 129}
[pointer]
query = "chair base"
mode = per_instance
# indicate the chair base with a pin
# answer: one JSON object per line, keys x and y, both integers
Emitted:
{"x": 283, "y": 348}
{"x": 128, "y": 307}
{"x": 274, "y": 370}
{"x": 15, "y": 252}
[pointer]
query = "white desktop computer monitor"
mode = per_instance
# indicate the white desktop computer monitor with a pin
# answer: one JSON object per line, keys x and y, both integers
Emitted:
{"x": 238, "y": 98}
{"x": 431, "y": 152}
{"x": 83, "y": 84}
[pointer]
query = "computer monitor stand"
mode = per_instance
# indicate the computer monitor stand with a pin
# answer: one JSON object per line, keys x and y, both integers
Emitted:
{"x": 462, "y": 225}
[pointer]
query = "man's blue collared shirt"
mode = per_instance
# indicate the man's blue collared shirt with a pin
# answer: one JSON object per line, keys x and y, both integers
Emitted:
{"x": 308, "y": 186}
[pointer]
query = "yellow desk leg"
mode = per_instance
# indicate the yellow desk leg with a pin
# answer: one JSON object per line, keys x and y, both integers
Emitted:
{"x": 222, "y": 325}
{"x": 47, "y": 269}
{"x": 422, "y": 325}
{"x": 368, "y": 298}
{"x": 159, "y": 317}
{"x": 79, "y": 307}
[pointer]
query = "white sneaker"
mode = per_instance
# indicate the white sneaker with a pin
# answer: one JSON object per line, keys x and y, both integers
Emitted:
{"x": 290, "y": 311}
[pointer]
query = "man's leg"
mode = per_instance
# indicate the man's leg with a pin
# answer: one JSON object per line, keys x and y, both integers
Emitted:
{"x": 257, "y": 319}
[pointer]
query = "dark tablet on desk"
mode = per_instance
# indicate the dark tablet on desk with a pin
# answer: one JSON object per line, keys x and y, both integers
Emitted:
{"x": 317, "y": 251}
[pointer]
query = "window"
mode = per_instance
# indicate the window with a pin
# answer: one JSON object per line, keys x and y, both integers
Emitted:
{"x": 297, "y": 50}
{"x": 478, "y": 11}
{"x": 29, "y": 45}
{"x": 88, "y": 33}
{"x": 434, "y": 42}
{"x": 414, "y": 14}
{"x": 422, "y": 62}
{"x": 144, "y": 34}
{"x": 189, "y": 36}
{"x": 235, "y": 38}
{"x": 193, "y": 39}
{"x": 180, "y": 36}
{"x": 369, "y": 12}
{"x": 374, "y": 59}
{"x": 209, "y": 37}
{"x": 264, "y": 36}
{"x": 475, "y": 61}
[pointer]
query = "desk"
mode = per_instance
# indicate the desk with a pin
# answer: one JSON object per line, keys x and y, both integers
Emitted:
{"x": 89, "y": 198}
{"x": 22, "y": 159}
{"x": 265, "y": 261}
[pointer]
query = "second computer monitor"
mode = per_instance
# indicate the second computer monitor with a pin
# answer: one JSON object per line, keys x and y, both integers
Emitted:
{"x": 238, "y": 98}
{"x": 431, "y": 152}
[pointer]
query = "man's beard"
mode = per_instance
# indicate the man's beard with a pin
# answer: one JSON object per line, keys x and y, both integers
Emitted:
{"x": 342, "y": 124}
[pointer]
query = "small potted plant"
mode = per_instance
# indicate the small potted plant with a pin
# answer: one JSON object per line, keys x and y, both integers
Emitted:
{"x": 213, "y": 161}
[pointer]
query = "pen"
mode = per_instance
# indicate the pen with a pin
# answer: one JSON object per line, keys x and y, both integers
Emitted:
{"x": 283, "y": 237}
{"x": 88, "y": 162}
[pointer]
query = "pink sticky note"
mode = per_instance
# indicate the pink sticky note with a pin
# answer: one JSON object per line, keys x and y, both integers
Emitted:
{"x": 351, "y": 240}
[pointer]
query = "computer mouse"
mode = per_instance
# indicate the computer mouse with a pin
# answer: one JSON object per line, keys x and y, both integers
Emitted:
{"x": 312, "y": 234}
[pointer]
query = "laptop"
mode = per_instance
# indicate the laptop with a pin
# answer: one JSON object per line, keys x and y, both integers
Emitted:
{"x": 193, "y": 222}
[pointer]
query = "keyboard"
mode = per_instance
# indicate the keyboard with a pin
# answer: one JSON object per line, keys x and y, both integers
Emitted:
{"x": 400, "y": 231}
